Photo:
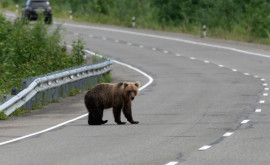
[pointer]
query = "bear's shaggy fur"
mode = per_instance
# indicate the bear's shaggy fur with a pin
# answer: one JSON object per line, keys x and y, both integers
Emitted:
{"x": 111, "y": 95}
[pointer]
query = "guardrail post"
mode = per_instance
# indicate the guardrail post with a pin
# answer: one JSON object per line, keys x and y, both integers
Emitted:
{"x": 17, "y": 9}
{"x": 70, "y": 15}
{"x": 133, "y": 21}
{"x": 204, "y": 31}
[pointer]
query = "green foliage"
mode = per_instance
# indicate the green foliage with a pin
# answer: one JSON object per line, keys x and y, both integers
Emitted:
{"x": 3, "y": 116}
{"x": 19, "y": 111}
{"x": 234, "y": 18}
{"x": 96, "y": 59}
{"x": 106, "y": 78}
{"x": 32, "y": 50}
{"x": 74, "y": 92}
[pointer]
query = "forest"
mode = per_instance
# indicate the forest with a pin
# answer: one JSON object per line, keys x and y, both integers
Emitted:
{"x": 244, "y": 20}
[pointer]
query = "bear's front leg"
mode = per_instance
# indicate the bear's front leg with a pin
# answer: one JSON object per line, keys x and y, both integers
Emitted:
{"x": 128, "y": 113}
{"x": 117, "y": 115}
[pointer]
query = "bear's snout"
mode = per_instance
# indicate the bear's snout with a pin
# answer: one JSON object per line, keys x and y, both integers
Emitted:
{"x": 132, "y": 98}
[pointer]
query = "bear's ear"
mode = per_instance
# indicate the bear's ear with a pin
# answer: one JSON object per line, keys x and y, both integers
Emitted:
{"x": 125, "y": 84}
{"x": 137, "y": 84}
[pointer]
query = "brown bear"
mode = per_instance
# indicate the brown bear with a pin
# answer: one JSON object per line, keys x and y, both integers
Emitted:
{"x": 111, "y": 95}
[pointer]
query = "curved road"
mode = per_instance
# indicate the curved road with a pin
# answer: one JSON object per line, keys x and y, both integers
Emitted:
{"x": 208, "y": 104}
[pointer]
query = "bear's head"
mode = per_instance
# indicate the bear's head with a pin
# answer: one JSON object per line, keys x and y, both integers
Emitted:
{"x": 131, "y": 90}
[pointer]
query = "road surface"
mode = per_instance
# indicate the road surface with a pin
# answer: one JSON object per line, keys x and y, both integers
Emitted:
{"x": 208, "y": 104}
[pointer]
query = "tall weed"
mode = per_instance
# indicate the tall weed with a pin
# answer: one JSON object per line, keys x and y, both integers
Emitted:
{"x": 30, "y": 50}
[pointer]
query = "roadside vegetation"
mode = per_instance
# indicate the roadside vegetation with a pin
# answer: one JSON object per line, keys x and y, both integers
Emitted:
{"x": 231, "y": 19}
{"x": 32, "y": 50}
{"x": 28, "y": 50}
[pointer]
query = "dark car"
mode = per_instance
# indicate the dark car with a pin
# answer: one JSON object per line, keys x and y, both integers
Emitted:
{"x": 33, "y": 7}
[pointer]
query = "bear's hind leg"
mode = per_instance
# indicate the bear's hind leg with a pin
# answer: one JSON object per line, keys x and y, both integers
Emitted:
{"x": 91, "y": 119}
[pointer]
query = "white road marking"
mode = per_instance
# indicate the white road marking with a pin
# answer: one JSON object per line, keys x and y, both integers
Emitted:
{"x": 258, "y": 110}
{"x": 129, "y": 43}
{"x": 178, "y": 55}
{"x": 262, "y": 101}
{"x": 172, "y": 163}
{"x": 265, "y": 84}
{"x": 265, "y": 94}
{"x": 267, "y": 89}
{"x": 256, "y": 76}
{"x": 207, "y": 62}
{"x": 244, "y": 121}
{"x": 167, "y": 38}
{"x": 262, "y": 79}
{"x": 150, "y": 80}
{"x": 43, "y": 131}
{"x": 192, "y": 58}
{"x": 141, "y": 46}
{"x": 90, "y": 36}
{"x": 116, "y": 41}
{"x": 165, "y": 51}
{"x": 154, "y": 49}
{"x": 247, "y": 74}
{"x": 104, "y": 38}
{"x": 203, "y": 148}
{"x": 234, "y": 70}
{"x": 221, "y": 66}
{"x": 227, "y": 134}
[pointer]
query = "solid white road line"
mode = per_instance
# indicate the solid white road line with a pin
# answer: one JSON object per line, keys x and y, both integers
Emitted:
{"x": 167, "y": 38}
{"x": 150, "y": 80}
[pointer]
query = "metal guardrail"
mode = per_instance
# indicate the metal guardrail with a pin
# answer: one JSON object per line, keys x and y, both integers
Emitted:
{"x": 54, "y": 81}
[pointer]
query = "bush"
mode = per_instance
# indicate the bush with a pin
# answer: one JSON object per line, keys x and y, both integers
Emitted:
{"x": 31, "y": 50}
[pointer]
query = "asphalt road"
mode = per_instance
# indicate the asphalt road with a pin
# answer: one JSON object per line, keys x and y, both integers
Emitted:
{"x": 208, "y": 104}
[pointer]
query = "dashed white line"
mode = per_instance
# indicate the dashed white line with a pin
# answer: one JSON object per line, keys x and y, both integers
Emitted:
{"x": 265, "y": 94}
{"x": 256, "y": 76}
{"x": 104, "y": 38}
{"x": 154, "y": 49}
{"x": 150, "y": 80}
{"x": 244, "y": 121}
{"x": 90, "y": 36}
{"x": 203, "y": 148}
{"x": 165, "y": 51}
{"x": 262, "y": 101}
{"x": 221, "y": 66}
{"x": 129, "y": 43}
{"x": 247, "y": 74}
{"x": 227, "y": 134}
{"x": 178, "y": 55}
{"x": 267, "y": 89}
{"x": 116, "y": 40}
{"x": 207, "y": 62}
{"x": 262, "y": 79}
{"x": 141, "y": 46}
{"x": 265, "y": 84}
{"x": 234, "y": 70}
{"x": 258, "y": 110}
{"x": 192, "y": 58}
{"x": 172, "y": 163}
